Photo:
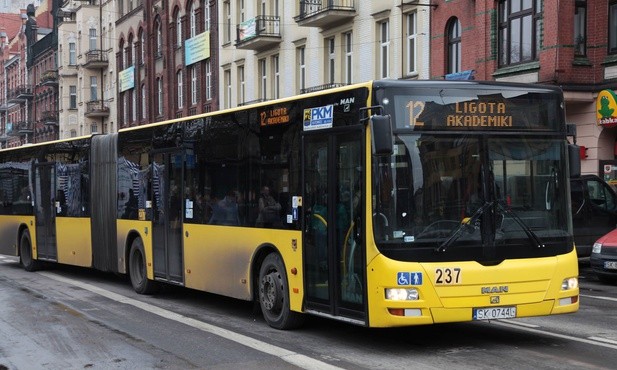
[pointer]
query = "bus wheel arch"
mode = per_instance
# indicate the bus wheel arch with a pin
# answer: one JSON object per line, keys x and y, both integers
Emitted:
{"x": 25, "y": 251}
{"x": 137, "y": 270}
{"x": 272, "y": 291}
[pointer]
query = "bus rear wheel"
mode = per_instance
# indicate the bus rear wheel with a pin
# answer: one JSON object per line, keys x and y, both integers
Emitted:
{"x": 274, "y": 295}
{"x": 25, "y": 253}
{"x": 137, "y": 269}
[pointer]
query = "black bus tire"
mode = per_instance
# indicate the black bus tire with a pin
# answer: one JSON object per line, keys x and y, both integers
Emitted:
{"x": 274, "y": 295}
{"x": 137, "y": 269}
{"x": 25, "y": 253}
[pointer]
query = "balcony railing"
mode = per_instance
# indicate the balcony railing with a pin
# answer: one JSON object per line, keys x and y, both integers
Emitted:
{"x": 49, "y": 117}
{"x": 96, "y": 59}
{"x": 24, "y": 127}
{"x": 49, "y": 78}
{"x": 19, "y": 94}
{"x": 325, "y": 13}
{"x": 258, "y": 33}
{"x": 97, "y": 108}
{"x": 321, "y": 87}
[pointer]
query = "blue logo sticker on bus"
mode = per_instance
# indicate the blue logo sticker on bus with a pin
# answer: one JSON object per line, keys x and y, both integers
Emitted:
{"x": 318, "y": 118}
{"x": 409, "y": 278}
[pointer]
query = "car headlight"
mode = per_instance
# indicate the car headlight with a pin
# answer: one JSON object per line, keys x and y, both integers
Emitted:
{"x": 569, "y": 283}
{"x": 597, "y": 248}
{"x": 400, "y": 294}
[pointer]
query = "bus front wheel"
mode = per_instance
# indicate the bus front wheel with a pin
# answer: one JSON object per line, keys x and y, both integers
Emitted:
{"x": 274, "y": 294}
{"x": 137, "y": 269}
{"x": 25, "y": 253}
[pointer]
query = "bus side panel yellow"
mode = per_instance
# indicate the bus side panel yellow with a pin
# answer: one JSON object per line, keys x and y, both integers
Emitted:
{"x": 9, "y": 233}
{"x": 74, "y": 241}
{"x": 218, "y": 259}
{"x": 144, "y": 230}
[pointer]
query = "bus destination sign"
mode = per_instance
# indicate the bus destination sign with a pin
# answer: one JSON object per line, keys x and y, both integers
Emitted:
{"x": 274, "y": 116}
{"x": 473, "y": 114}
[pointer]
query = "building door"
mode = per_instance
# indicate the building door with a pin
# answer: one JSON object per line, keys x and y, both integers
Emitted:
{"x": 166, "y": 196}
{"x": 46, "y": 202}
{"x": 333, "y": 241}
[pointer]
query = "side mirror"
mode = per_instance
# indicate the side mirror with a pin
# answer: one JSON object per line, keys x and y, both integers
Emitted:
{"x": 574, "y": 160}
{"x": 381, "y": 133}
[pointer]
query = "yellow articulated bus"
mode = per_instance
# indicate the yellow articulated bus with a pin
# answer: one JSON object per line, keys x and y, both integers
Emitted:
{"x": 382, "y": 204}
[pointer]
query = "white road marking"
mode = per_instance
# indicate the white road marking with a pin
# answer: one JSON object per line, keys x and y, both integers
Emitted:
{"x": 599, "y": 297}
{"x": 291, "y": 357}
{"x": 591, "y": 340}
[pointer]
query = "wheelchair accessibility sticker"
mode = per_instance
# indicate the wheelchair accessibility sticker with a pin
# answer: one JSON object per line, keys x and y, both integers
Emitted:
{"x": 409, "y": 278}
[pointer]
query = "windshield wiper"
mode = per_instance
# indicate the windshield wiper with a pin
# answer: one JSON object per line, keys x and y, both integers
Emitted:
{"x": 530, "y": 234}
{"x": 469, "y": 222}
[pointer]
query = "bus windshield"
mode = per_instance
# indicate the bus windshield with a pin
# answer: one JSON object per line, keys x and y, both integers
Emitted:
{"x": 481, "y": 195}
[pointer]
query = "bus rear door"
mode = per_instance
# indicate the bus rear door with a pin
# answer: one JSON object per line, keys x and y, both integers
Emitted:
{"x": 333, "y": 251}
{"x": 166, "y": 196}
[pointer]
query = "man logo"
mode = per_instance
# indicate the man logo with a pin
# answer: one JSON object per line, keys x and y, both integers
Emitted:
{"x": 495, "y": 300}
{"x": 494, "y": 289}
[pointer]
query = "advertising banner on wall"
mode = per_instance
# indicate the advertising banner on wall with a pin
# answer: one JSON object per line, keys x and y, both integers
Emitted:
{"x": 606, "y": 108}
{"x": 197, "y": 48}
{"x": 126, "y": 78}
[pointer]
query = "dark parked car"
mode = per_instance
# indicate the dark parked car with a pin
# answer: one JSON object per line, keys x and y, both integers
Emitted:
{"x": 603, "y": 258}
{"x": 594, "y": 211}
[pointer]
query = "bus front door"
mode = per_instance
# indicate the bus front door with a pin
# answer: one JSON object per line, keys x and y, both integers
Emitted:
{"x": 166, "y": 196}
{"x": 45, "y": 210}
{"x": 333, "y": 249}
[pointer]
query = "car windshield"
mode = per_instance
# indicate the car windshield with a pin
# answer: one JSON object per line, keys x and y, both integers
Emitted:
{"x": 494, "y": 198}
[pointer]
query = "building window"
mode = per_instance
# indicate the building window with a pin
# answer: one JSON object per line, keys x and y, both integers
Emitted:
{"x": 242, "y": 85}
{"x": 301, "y": 68}
{"x": 193, "y": 20}
{"x": 227, "y": 27}
{"x": 94, "y": 129}
{"x": 180, "y": 87}
{"x": 93, "y": 88}
{"x": 193, "y": 85}
{"x": 159, "y": 86}
{"x": 159, "y": 39}
{"x": 412, "y": 33}
{"x": 143, "y": 46}
{"x": 347, "y": 37}
{"x": 276, "y": 80}
{"x": 580, "y": 28}
{"x": 72, "y": 54}
{"x": 519, "y": 23}
{"x": 125, "y": 107}
{"x": 144, "y": 102}
{"x": 133, "y": 105}
{"x": 454, "y": 46}
{"x": 72, "y": 97}
{"x": 206, "y": 7}
{"x": 384, "y": 49}
{"x": 612, "y": 27}
{"x": 92, "y": 40}
{"x": 331, "y": 60}
{"x": 178, "y": 29}
{"x": 208, "y": 80}
{"x": 227, "y": 81}
{"x": 263, "y": 79}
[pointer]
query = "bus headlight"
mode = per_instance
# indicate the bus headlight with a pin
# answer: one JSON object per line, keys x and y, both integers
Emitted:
{"x": 569, "y": 283}
{"x": 400, "y": 294}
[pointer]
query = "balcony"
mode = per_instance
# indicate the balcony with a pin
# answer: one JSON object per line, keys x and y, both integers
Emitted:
{"x": 20, "y": 94}
{"x": 49, "y": 78}
{"x": 24, "y": 127}
{"x": 49, "y": 117}
{"x": 325, "y": 13}
{"x": 97, "y": 108}
{"x": 5, "y": 107}
{"x": 259, "y": 33}
{"x": 96, "y": 59}
{"x": 321, "y": 87}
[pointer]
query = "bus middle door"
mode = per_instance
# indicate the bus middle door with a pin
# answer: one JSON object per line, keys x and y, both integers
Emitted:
{"x": 45, "y": 208}
{"x": 166, "y": 196}
{"x": 334, "y": 261}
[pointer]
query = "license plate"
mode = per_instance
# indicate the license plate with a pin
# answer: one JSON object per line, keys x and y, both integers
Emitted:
{"x": 494, "y": 313}
{"x": 610, "y": 265}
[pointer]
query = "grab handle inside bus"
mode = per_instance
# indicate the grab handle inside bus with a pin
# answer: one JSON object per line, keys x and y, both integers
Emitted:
{"x": 381, "y": 133}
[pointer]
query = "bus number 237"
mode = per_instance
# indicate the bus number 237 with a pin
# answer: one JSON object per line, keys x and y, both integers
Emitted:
{"x": 446, "y": 276}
